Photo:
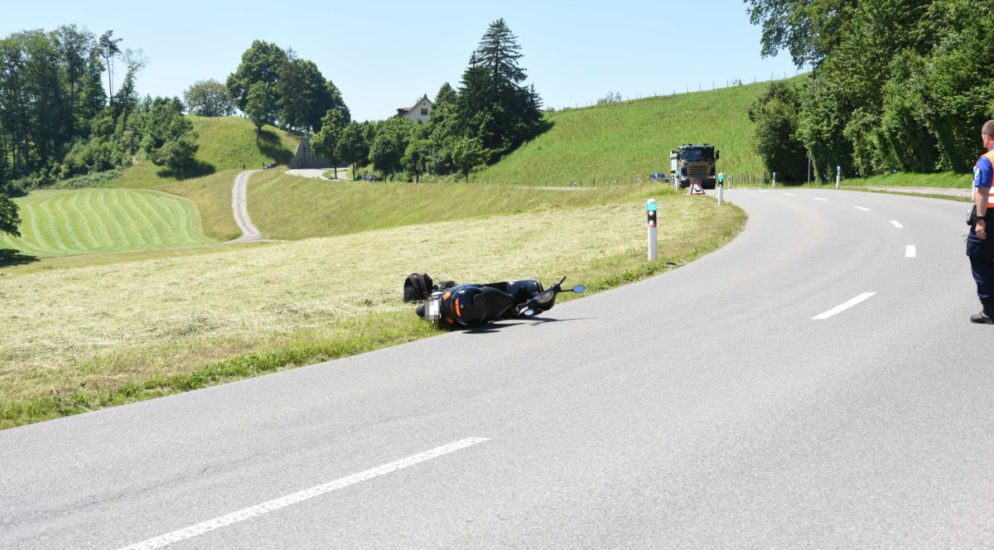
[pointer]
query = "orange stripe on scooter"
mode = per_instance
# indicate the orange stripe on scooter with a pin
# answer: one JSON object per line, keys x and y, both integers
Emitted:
{"x": 458, "y": 311}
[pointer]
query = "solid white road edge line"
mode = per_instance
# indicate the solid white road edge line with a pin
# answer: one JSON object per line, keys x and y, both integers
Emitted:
{"x": 910, "y": 251}
{"x": 300, "y": 496}
{"x": 842, "y": 307}
{"x": 863, "y": 208}
{"x": 820, "y": 199}
{"x": 896, "y": 224}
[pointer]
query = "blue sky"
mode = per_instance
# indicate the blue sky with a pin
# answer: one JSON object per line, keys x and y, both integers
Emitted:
{"x": 385, "y": 54}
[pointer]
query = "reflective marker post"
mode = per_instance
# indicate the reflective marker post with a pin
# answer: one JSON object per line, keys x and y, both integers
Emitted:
{"x": 721, "y": 189}
{"x": 650, "y": 213}
{"x": 774, "y": 180}
{"x": 838, "y": 175}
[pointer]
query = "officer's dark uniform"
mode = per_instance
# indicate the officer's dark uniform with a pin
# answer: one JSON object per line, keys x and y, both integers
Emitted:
{"x": 981, "y": 252}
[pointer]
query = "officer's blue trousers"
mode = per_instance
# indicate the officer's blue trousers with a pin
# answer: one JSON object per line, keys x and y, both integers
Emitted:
{"x": 981, "y": 254}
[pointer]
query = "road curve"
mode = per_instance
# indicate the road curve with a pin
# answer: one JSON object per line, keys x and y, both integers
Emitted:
{"x": 239, "y": 207}
{"x": 813, "y": 384}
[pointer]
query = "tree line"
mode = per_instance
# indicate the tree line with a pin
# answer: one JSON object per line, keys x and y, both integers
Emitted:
{"x": 491, "y": 113}
{"x": 893, "y": 85}
{"x": 57, "y": 121}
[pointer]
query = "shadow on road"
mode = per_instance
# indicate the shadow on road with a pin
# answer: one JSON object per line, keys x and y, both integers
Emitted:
{"x": 496, "y": 327}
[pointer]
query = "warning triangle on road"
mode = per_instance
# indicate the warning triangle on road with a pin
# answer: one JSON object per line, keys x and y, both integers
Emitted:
{"x": 696, "y": 189}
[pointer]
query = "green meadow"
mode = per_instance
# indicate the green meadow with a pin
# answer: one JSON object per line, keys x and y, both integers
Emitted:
{"x": 288, "y": 207}
{"x": 627, "y": 141}
{"x": 87, "y": 221}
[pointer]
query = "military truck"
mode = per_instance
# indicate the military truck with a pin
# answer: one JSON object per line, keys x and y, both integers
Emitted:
{"x": 693, "y": 163}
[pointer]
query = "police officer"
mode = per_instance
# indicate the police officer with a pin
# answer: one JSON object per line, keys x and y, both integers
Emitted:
{"x": 980, "y": 243}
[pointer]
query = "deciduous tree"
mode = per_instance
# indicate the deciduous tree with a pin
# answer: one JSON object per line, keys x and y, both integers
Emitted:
{"x": 353, "y": 145}
{"x": 326, "y": 141}
{"x": 168, "y": 136}
{"x": 775, "y": 137}
{"x": 467, "y": 153}
{"x": 415, "y": 157}
{"x": 209, "y": 98}
{"x": 10, "y": 219}
{"x": 261, "y": 105}
{"x": 261, "y": 63}
{"x": 390, "y": 143}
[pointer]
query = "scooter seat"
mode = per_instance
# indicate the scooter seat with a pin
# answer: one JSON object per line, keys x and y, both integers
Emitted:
{"x": 490, "y": 303}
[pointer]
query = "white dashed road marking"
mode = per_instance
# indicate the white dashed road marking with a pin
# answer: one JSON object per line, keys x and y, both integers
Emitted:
{"x": 910, "y": 251}
{"x": 863, "y": 208}
{"x": 896, "y": 224}
{"x": 820, "y": 199}
{"x": 790, "y": 195}
{"x": 300, "y": 496}
{"x": 842, "y": 307}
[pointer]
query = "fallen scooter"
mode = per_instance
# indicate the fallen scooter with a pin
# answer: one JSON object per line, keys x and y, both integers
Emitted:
{"x": 452, "y": 305}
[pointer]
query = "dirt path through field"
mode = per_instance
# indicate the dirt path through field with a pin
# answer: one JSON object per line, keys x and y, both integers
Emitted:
{"x": 239, "y": 207}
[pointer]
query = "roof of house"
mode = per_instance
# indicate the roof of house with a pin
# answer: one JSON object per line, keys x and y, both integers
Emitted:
{"x": 401, "y": 111}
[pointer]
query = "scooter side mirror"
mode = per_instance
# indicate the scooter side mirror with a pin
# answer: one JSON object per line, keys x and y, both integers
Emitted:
{"x": 579, "y": 289}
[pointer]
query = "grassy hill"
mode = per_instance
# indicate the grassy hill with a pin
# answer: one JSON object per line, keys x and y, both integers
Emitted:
{"x": 632, "y": 139}
{"x": 224, "y": 143}
{"x": 85, "y": 221}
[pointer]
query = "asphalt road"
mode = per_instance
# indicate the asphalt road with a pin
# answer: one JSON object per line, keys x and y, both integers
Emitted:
{"x": 704, "y": 408}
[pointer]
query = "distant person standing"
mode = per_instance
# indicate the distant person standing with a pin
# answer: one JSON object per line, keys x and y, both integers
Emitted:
{"x": 979, "y": 244}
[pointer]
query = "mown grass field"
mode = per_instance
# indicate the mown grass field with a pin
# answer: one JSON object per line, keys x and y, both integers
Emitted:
{"x": 86, "y": 221}
{"x": 629, "y": 140}
{"x": 88, "y": 337}
{"x": 289, "y": 207}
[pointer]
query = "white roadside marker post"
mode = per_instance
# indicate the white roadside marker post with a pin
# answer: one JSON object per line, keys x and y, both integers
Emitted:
{"x": 774, "y": 180}
{"x": 650, "y": 213}
{"x": 838, "y": 175}
{"x": 721, "y": 188}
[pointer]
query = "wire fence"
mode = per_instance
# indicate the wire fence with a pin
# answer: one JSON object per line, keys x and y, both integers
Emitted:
{"x": 615, "y": 97}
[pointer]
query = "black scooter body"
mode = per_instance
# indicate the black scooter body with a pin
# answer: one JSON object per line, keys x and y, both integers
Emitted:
{"x": 470, "y": 305}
